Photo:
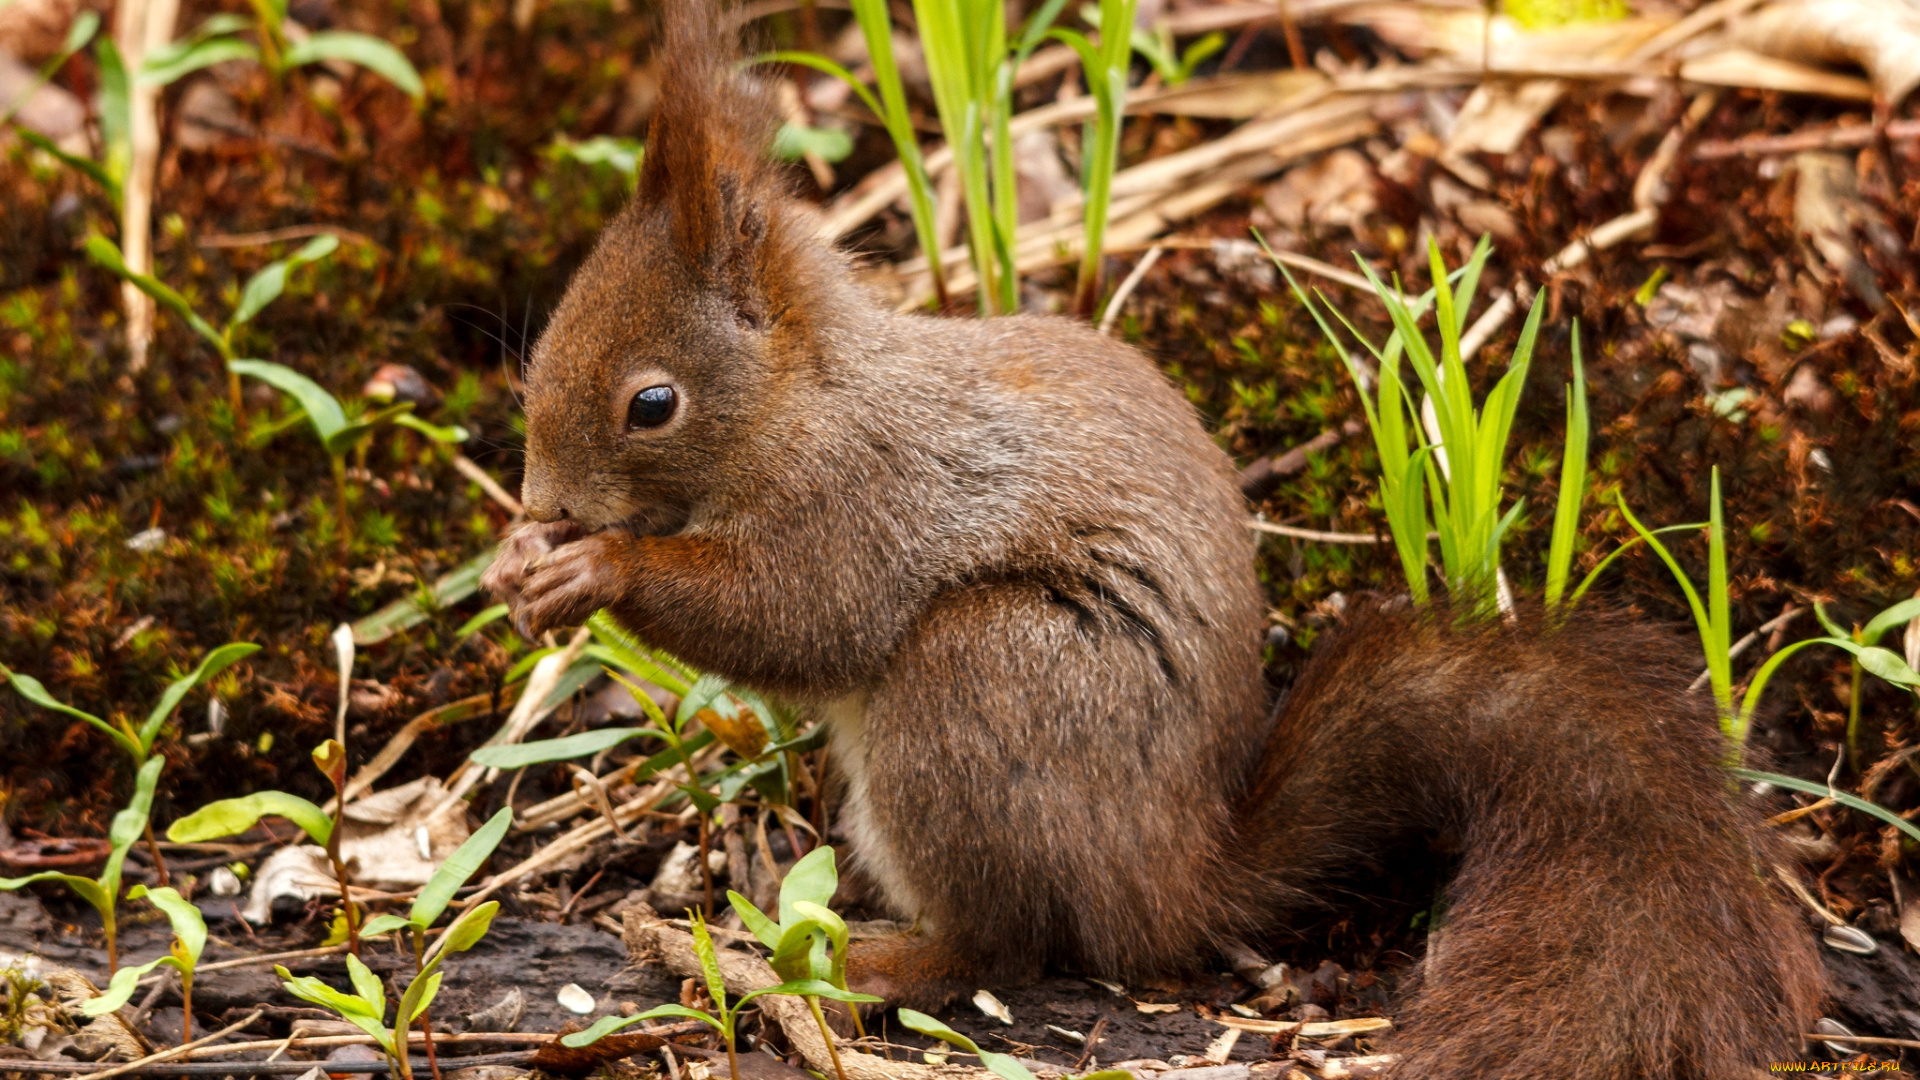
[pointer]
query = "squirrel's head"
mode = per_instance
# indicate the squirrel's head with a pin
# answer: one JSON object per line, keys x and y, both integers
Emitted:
{"x": 677, "y": 343}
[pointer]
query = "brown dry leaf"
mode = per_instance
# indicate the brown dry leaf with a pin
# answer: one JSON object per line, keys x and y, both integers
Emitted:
{"x": 1497, "y": 115}
{"x": 1235, "y": 97}
{"x": 1335, "y": 191}
{"x": 1746, "y": 68}
{"x": 1826, "y": 207}
{"x": 1881, "y": 36}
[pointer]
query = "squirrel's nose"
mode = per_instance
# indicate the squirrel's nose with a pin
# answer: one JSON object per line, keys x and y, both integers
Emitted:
{"x": 545, "y": 510}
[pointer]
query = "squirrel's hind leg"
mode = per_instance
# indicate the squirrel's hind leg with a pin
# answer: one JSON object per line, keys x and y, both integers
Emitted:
{"x": 1029, "y": 785}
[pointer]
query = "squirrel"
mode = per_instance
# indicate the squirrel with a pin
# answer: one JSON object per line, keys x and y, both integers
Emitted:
{"x": 1006, "y": 563}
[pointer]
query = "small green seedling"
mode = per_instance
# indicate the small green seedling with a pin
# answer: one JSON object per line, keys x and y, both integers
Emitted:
{"x": 115, "y": 110}
{"x": 229, "y": 816}
{"x": 1005, "y": 1066}
{"x": 1106, "y": 67}
{"x": 337, "y": 431}
{"x": 85, "y": 25}
{"x": 123, "y": 832}
{"x": 218, "y": 40}
{"x": 876, "y": 26}
{"x": 189, "y": 941}
{"x": 366, "y": 1007}
{"x": 1173, "y": 66}
{"x": 728, "y": 1013}
{"x": 434, "y": 897}
{"x": 1871, "y": 657}
{"x": 138, "y": 741}
{"x": 1714, "y": 623}
{"x": 807, "y": 928}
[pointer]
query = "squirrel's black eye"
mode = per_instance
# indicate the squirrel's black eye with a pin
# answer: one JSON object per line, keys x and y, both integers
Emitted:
{"x": 651, "y": 407}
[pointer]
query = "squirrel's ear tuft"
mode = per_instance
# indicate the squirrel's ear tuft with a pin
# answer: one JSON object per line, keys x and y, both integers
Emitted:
{"x": 706, "y": 164}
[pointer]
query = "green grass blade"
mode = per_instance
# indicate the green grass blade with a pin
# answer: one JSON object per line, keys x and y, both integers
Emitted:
{"x": 1573, "y": 481}
{"x": 1812, "y": 787}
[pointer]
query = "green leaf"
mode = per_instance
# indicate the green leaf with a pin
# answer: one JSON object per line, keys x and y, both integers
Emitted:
{"x": 129, "y": 825}
{"x": 452, "y": 434}
{"x": 814, "y": 878}
{"x": 709, "y": 962}
{"x": 1877, "y": 627}
{"x": 103, "y": 251}
{"x": 810, "y": 988}
{"x": 622, "y": 155}
{"x": 368, "y": 986}
{"x": 323, "y": 410}
{"x": 116, "y": 114}
{"x": 188, "y": 924}
{"x": 383, "y": 924}
{"x": 1888, "y": 665}
{"x": 466, "y": 931}
{"x": 419, "y": 995}
{"x": 32, "y": 689}
{"x": 837, "y": 935}
{"x": 369, "y": 52}
{"x": 266, "y": 285}
{"x": 308, "y": 988}
{"x": 1000, "y": 1065}
{"x": 120, "y": 990}
{"x": 73, "y": 881}
{"x": 793, "y": 142}
{"x": 520, "y": 755}
{"x": 85, "y": 166}
{"x": 825, "y": 66}
{"x": 1573, "y": 479}
{"x": 461, "y": 865}
{"x": 756, "y": 920}
{"x": 482, "y": 620}
{"x": 1815, "y": 788}
{"x": 1834, "y": 628}
{"x": 211, "y": 665}
{"x": 229, "y": 816}
{"x": 607, "y": 1025}
{"x": 184, "y": 58}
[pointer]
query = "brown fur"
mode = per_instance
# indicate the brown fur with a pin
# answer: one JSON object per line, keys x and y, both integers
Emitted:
{"x": 1007, "y": 565}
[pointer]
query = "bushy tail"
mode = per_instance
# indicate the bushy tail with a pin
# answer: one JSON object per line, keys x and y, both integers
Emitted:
{"x": 1611, "y": 916}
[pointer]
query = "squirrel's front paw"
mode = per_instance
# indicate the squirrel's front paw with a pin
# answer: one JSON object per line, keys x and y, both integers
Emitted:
{"x": 520, "y": 552}
{"x": 563, "y": 585}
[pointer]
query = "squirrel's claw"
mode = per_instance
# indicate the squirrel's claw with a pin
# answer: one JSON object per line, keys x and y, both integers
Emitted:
{"x": 522, "y": 553}
{"x": 562, "y": 585}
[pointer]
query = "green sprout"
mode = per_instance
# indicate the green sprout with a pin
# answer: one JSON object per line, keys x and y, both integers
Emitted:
{"x": 218, "y": 40}
{"x": 806, "y": 930}
{"x": 972, "y": 65}
{"x": 123, "y": 832}
{"x": 189, "y": 941}
{"x": 1005, "y": 1066}
{"x": 1106, "y": 70}
{"x": 138, "y": 741}
{"x": 1870, "y": 657}
{"x": 726, "y": 1014}
{"x": 433, "y": 899}
{"x": 1175, "y": 67}
{"x": 226, "y": 817}
{"x": 338, "y": 432}
{"x": 876, "y": 26}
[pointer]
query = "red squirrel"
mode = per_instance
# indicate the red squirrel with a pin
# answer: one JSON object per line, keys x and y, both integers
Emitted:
{"x": 1006, "y": 564}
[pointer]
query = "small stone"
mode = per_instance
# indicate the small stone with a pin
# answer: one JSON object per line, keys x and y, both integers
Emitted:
{"x": 575, "y": 1000}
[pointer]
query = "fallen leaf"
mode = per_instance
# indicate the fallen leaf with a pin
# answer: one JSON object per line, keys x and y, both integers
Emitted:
{"x": 1881, "y": 36}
